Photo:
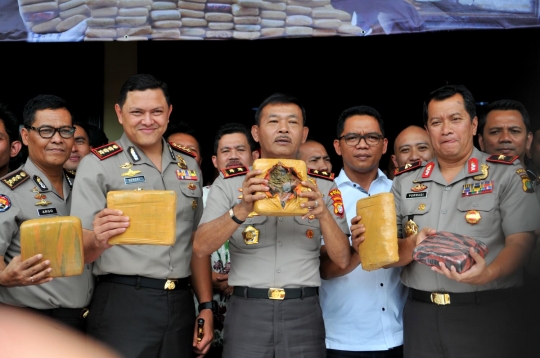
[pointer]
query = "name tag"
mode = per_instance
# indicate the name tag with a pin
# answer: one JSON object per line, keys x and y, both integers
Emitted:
{"x": 48, "y": 211}
{"x": 422, "y": 194}
{"x": 134, "y": 180}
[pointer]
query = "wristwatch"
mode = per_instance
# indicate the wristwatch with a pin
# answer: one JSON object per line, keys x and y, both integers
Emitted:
{"x": 235, "y": 219}
{"x": 210, "y": 305}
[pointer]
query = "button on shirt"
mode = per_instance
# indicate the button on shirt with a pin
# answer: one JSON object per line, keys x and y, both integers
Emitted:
{"x": 363, "y": 310}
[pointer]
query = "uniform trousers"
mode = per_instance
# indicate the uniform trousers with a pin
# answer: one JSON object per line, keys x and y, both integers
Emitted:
{"x": 143, "y": 322}
{"x": 264, "y": 328}
{"x": 474, "y": 330}
{"x": 72, "y": 317}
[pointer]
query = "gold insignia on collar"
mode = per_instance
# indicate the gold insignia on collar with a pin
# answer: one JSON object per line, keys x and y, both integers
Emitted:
{"x": 181, "y": 162}
{"x": 502, "y": 157}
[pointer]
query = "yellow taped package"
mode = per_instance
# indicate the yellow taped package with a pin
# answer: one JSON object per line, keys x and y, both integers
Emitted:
{"x": 152, "y": 216}
{"x": 59, "y": 239}
{"x": 284, "y": 177}
{"x": 380, "y": 246}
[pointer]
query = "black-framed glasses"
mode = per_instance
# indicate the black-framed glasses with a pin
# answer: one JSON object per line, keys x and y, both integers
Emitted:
{"x": 352, "y": 139}
{"x": 48, "y": 131}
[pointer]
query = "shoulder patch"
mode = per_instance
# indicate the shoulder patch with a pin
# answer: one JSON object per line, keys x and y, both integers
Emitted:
{"x": 501, "y": 159}
{"x": 407, "y": 168}
{"x": 233, "y": 172}
{"x": 16, "y": 178}
{"x": 5, "y": 203}
{"x": 321, "y": 174}
{"x": 180, "y": 148}
{"x": 526, "y": 183}
{"x": 107, "y": 150}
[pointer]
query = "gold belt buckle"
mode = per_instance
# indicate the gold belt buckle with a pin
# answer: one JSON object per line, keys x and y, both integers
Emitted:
{"x": 440, "y": 298}
{"x": 276, "y": 293}
{"x": 170, "y": 285}
{"x": 85, "y": 312}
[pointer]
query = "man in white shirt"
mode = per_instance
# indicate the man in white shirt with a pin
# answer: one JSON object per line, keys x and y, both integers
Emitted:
{"x": 362, "y": 310}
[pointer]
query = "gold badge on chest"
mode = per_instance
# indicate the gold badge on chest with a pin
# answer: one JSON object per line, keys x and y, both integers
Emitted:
{"x": 250, "y": 235}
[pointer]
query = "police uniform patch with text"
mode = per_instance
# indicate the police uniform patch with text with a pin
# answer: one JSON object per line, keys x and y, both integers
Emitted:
{"x": 13, "y": 180}
{"x": 48, "y": 211}
{"x": 235, "y": 171}
{"x": 321, "y": 174}
{"x": 337, "y": 201}
{"x": 526, "y": 183}
{"x": 107, "y": 150}
{"x": 134, "y": 180}
{"x": 5, "y": 203}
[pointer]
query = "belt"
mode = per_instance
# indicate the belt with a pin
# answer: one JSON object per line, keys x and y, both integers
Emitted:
{"x": 462, "y": 298}
{"x": 275, "y": 293}
{"x": 141, "y": 281}
{"x": 60, "y": 312}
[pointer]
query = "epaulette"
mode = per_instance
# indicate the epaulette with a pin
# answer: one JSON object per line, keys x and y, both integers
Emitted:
{"x": 180, "y": 148}
{"x": 107, "y": 150}
{"x": 233, "y": 172}
{"x": 15, "y": 178}
{"x": 321, "y": 174}
{"x": 407, "y": 168}
{"x": 501, "y": 159}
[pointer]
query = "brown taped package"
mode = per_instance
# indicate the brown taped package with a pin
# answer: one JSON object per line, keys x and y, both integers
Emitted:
{"x": 284, "y": 177}
{"x": 380, "y": 246}
{"x": 152, "y": 216}
{"x": 59, "y": 239}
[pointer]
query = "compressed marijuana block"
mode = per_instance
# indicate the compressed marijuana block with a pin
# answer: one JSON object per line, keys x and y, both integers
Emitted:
{"x": 284, "y": 177}
{"x": 450, "y": 248}
{"x": 152, "y": 216}
{"x": 380, "y": 246}
{"x": 59, "y": 239}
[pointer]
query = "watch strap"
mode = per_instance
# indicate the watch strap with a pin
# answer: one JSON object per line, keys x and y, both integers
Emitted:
{"x": 235, "y": 219}
{"x": 207, "y": 306}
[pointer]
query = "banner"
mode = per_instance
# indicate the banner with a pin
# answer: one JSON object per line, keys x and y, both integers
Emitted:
{"x": 143, "y": 20}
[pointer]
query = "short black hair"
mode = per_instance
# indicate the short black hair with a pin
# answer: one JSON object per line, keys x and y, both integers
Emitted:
{"x": 42, "y": 102}
{"x": 181, "y": 127}
{"x": 230, "y": 128}
{"x": 142, "y": 82}
{"x": 505, "y": 105}
{"x": 11, "y": 122}
{"x": 448, "y": 91}
{"x": 96, "y": 136}
{"x": 279, "y": 98}
{"x": 358, "y": 111}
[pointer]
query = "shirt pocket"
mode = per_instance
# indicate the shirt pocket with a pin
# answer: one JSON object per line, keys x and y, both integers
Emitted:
{"x": 307, "y": 233}
{"x": 478, "y": 216}
{"x": 187, "y": 201}
{"x": 417, "y": 212}
{"x": 258, "y": 223}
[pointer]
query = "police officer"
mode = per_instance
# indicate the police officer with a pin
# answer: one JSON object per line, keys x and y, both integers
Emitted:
{"x": 143, "y": 306}
{"x": 463, "y": 191}
{"x": 274, "y": 310}
{"x": 39, "y": 189}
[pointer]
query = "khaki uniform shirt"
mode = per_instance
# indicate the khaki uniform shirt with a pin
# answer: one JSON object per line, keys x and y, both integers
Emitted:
{"x": 66, "y": 292}
{"x": 287, "y": 254}
{"x": 96, "y": 177}
{"x": 444, "y": 206}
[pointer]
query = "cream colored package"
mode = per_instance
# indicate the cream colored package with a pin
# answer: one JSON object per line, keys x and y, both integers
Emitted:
{"x": 152, "y": 216}
{"x": 380, "y": 246}
{"x": 284, "y": 177}
{"x": 59, "y": 239}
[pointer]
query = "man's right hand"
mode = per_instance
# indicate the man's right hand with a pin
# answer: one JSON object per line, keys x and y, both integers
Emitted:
{"x": 221, "y": 282}
{"x": 108, "y": 223}
{"x": 250, "y": 187}
{"x": 25, "y": 273}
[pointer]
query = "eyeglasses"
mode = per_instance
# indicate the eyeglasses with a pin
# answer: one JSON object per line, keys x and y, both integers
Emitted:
{"x": 49, "y": 132}
{"x": 352, "y": 139}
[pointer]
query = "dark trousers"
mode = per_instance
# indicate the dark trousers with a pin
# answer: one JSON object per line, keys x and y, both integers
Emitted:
{"x": 71, "y": 317}
{"x": 263, "y": 328}
{"x": 143, "y": 322}
{"x": 396, "y": 352}
{"x": 478, "y": 330}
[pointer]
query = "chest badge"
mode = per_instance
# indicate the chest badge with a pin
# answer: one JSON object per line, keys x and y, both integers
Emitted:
{"x": 422, "y": 207}
{"x": 419, "y": 187}
{"x": 181, "y": 162}
{"x": 131, "y": 173}
{"x": 40, "y": 196}
{"x": 473, "y": 217}
{"x": 485, "y": 172}
{"x": 250, "y": 235}
{"x": 411, "y": 228}
{"x": 192, "y": 186}
{"x": 126, "y": 165}
{"x": 194, "y": 204}
{"x": 43, "y": 202}
{"x": 309, "y": 234}
{"x": 484, "y": 187}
